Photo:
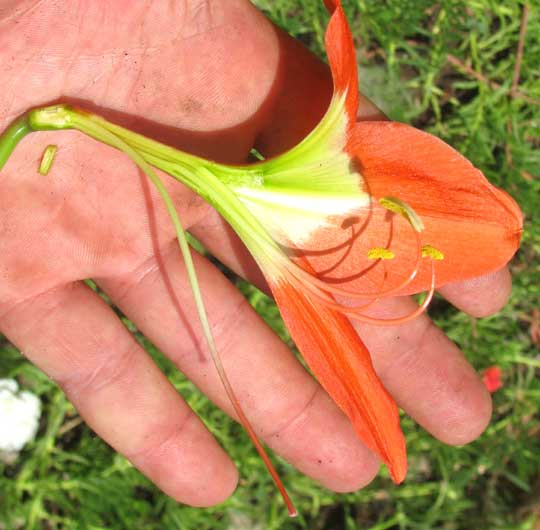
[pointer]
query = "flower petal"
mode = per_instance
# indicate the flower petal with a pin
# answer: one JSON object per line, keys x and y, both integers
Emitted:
{"x": 343, "y": 366}
{"x": 475, "y": 225}
{"x": 342, "y": 57}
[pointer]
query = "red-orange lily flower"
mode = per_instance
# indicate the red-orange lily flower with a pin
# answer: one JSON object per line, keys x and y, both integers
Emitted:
{"x": 321, "y": 222}
{"x": 476, "y": 226}
{"x": 321, "y": 201}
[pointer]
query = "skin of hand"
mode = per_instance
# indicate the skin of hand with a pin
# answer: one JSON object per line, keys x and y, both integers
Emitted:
{"x": 214, "y": 78}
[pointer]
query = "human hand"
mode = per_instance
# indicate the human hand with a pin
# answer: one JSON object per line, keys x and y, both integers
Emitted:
{"x": 214, "y": 78}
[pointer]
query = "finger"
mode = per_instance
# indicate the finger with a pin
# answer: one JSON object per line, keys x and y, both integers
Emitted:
{"x": 427, "y": 374}
{"x": 480, "y": 297}
{"x": 74, "y": 337}
{"x": 285, "y": 405}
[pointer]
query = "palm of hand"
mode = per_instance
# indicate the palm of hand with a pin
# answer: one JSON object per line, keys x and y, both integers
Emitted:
{"x": 206, "y": 77}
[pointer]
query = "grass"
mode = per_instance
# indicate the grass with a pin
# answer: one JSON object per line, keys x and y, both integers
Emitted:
{"x": 449, "y": 68}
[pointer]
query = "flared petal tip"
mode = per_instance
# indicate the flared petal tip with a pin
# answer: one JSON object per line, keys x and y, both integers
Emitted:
{"x": 395, "y": 457}
{"x": 398, "y": 472}
{"x": 511, "y": 217}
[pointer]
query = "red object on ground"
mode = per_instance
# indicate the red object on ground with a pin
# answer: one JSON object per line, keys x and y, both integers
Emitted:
{"x": 492, "y": 378}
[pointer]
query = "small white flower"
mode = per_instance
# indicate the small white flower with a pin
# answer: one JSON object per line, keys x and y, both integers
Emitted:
{"x": 19, "y": 416}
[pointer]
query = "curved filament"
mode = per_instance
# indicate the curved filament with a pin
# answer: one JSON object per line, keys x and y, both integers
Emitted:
{"x": 355, "y": 312}
{"x": 399, "y": 320}
{"x": 297, "y": 271}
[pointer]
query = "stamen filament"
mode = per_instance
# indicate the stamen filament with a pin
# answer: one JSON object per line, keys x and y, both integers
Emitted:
{"x": 298, "y": 272}
{"x": 330, "y": 302}
{"x": 355, "y": 312}
{"x": 399, "y": 320}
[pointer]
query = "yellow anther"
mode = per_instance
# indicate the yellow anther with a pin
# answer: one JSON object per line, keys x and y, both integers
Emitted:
{"x": 402, "y": 208}
{"x": 431, "y": 252}
{"x": 380, "y": 253}
{"x": 47, "y": 159}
